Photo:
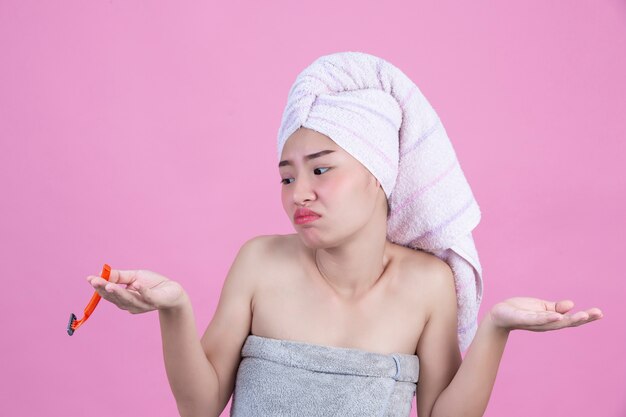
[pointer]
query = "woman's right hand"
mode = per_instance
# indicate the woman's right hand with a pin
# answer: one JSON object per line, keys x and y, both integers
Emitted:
{"x": 139, "y": 291}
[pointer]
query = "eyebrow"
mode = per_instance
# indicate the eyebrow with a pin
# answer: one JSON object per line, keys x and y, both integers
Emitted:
{"x": 307, "y": 157}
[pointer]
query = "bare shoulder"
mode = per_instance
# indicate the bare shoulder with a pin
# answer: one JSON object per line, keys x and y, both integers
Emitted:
{"x": 258, "y": 248}
{"x": 270, "y": 242}
{"x": 262, "y": 254}
{"x": 429, "y": 275}
{"x": 423, "y": 266}
{"x": 257, "y": 243}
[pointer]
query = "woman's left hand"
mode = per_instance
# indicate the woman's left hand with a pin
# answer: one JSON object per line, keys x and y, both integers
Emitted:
{"x": 538, "y": 315}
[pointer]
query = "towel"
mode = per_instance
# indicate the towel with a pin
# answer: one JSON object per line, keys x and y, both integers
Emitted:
{"x": 376, "y": 113}
{"x": 279, "y": 377}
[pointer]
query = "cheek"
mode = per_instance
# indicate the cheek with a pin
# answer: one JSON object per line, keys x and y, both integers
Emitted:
{"x": 340, "y": 191}
{"x": 285, "y": 197}
{"x": 345, "y": 194}
{"x": 359, "y": 198}
{"x": 334, "y": 192}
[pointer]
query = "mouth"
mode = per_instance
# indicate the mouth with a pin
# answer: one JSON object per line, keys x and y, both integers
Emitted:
{"x": 306, "y": 219}
{"x": 305, "y": 215}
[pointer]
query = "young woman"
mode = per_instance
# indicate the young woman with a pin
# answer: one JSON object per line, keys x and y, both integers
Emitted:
{"x": 379, "y": 285}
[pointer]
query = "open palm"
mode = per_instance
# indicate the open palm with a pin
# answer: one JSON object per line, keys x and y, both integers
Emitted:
{"x": 539, "y": 315}
{"x": 138, "y": 291}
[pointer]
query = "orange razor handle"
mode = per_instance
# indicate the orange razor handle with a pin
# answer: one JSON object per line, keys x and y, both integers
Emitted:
{"x": 91, "y": 306}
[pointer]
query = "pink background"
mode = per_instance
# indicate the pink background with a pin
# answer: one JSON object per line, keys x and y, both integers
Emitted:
{"x": 143, "y": 135}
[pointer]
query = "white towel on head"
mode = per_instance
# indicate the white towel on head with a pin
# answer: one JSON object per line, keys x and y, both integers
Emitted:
{"x": 377, "y": 114}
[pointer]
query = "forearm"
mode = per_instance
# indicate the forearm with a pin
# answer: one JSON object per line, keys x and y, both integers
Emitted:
{"x": 468, "y": 393}
{"x": 191, "y": 376}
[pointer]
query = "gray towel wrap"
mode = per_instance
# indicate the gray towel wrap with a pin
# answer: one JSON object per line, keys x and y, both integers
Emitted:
{"x": 290, "y": 378}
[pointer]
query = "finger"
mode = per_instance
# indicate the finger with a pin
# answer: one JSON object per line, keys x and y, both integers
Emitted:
{"x": 127, "y": 299}
{"x": 539, "y": 318}
{"x": 111, "y": 292}
{"x": 122, "y": 276}
{"x": 567, "y": 320}
{"x": 576, "y": 319}
{"x": 106, "y": 294}
{"x": 124, "y": 298}
{"x": 141, "y": 301}
{"x": 563, "y": 306}
{"x": 550, "y": 317}
{"x": 553, "y": 325}
{"x": 587, "y": 316}
{"x": 97, "y": 282}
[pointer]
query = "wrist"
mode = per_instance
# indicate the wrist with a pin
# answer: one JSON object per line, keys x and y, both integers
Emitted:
{"x": 179, "y": 305}
{"x": 493, "y": 327}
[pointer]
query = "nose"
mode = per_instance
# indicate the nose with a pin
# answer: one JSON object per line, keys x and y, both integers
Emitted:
{"x": 302, "y": 190}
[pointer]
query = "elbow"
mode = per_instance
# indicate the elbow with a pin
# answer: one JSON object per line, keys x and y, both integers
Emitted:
{"x": 438, "y": 412}
{"x": 195, "y": 410}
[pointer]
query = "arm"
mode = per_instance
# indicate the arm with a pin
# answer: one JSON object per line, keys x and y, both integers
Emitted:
{"x": 202, "y": 372}
{"x": 448, "y": 389}
{"x": 189, "y": 371}
{"x": 449, "y": 386}
{"x": 191, "y": 376}
{"x": 468, "y": 393}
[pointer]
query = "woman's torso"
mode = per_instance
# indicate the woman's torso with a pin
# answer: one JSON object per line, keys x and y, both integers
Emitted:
{"x": 292, "y": 301}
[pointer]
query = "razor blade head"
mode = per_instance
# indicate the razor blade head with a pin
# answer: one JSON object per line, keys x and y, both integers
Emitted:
{"x": 70, "y": 331}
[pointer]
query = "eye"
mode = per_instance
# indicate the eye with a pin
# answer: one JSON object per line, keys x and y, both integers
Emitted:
{"x": 282, "y": 181}
{"x": 317, "y": 169}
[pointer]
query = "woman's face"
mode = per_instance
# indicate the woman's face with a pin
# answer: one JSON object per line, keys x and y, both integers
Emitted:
{"x": 331, "y": 183}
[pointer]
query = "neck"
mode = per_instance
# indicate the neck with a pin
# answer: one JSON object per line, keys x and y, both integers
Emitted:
{"x": 355, "y": 266}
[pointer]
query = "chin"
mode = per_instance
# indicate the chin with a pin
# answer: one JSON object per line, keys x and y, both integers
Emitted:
{"x": 310, "y": 242}
{"x": 315, "y": 241}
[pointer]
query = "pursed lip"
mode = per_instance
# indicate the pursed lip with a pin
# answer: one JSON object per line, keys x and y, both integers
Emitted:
{"x": 304, "y": 212}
